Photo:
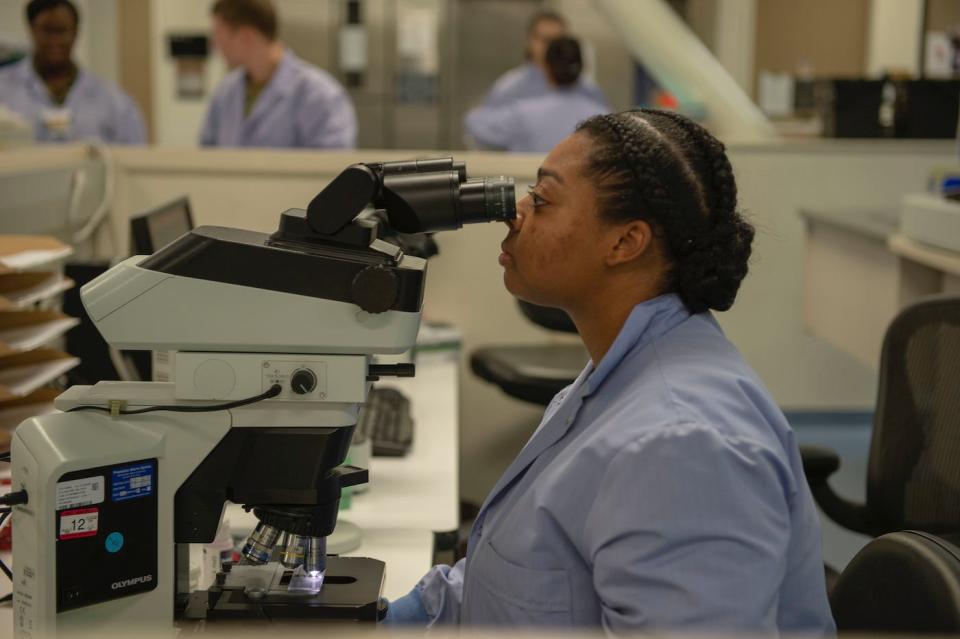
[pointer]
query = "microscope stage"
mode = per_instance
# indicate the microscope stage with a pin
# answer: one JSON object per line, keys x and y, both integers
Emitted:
{"x": 351, "y": 592}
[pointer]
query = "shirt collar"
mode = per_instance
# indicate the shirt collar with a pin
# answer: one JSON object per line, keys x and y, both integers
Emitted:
{"x": 282, "y": 81}
{"x": 32, "y": 78}
{"x": 28, "y": 74}
{"x": 646, "y": 322}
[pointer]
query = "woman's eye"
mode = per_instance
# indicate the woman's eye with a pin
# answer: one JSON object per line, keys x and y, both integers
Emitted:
{"x": 537, "y": 200}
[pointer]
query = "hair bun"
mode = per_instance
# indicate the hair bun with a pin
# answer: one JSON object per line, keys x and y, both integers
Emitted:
{"x": 564, "y": 60}
{"x": 709, "y": 274}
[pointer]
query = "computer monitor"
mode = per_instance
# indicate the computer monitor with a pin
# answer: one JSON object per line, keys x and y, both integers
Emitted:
{"x": 154, "y": 229}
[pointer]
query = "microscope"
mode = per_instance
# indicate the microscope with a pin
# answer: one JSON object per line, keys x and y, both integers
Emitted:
{"x": 274, "y": 338}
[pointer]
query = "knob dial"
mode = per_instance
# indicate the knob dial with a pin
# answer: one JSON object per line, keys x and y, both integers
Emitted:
{"x": 303, "y": 381}
{"x": 375, "y": 289}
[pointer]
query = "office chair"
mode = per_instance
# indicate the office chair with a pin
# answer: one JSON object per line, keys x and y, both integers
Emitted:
{"x": 533, "y": 372}
{"x": 902, "y": 582}
{"x": 913, "y": 474}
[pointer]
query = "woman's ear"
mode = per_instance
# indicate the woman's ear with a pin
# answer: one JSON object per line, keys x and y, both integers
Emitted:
{"x": 629, "y": 242}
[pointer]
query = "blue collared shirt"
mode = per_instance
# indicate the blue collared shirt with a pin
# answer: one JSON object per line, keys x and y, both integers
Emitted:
{"x": 532, "y": 125}
{"x": 663, "y": 491}
{"x": 94, "y": 108}
{"x": 301, "y": 106}
{"x": 529, "y": 81}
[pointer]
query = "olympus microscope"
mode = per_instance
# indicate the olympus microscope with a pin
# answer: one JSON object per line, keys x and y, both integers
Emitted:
{"x": 274, "y": 337}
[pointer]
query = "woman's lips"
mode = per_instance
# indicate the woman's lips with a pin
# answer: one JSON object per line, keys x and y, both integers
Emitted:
{"x": 505, "y": 256}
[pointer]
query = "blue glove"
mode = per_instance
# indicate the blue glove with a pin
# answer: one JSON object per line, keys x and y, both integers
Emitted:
{"x": 408, "y": 610}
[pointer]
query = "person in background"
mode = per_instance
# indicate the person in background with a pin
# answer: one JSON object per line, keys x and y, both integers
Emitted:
{"x": 537, "y": 124}
{"x": 272, "y": 98}
{"x": 530, "y": 79}
{"x": 62, "y": 102}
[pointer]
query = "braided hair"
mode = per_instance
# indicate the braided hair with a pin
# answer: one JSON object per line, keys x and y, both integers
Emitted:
{"x": 665, "y": 169}
{"x": 564, "y": 61}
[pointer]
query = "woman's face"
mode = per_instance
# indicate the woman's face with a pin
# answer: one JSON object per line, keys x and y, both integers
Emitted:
{"x": 554, "y": 254}
{"x": 54, "y": 32}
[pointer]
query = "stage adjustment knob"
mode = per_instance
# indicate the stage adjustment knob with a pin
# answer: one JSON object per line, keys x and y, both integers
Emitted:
{"x": 303, "y": 381}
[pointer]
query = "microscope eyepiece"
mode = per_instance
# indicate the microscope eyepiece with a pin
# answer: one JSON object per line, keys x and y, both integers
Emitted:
{"x": 441, "y": 201}
{"x": 489, "y": 199}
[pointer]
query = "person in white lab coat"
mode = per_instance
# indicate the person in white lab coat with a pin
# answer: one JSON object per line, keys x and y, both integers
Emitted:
{"x": 530, "y": 78}
{"x": 536, "y": 124}
{"x": 272, "y": 98}
{"x": 61, "y": 101}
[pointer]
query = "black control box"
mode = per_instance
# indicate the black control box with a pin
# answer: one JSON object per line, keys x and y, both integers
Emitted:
{"x": 106, "y": 527}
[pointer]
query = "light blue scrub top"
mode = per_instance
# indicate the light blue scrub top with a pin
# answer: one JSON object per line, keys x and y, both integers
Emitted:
{"x": 663, "y": 491}
{"x": 301, "y": 106}
{"x": 529, "y": 81}
{"x": 94, "y": 108}
{"x": 532, "y": 125}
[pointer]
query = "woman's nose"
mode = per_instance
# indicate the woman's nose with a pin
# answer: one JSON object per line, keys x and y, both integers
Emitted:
{"x": 522, "y": 206}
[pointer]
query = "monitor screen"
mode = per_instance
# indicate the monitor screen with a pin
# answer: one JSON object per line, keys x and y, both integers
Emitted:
{"x": 151, "y": 231}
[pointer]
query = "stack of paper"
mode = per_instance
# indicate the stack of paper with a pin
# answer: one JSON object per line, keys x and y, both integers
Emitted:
{"x": 14, "y": 411}
{"x": 26, "y": 330}
{"x": 30, "y": 275}
{"x": 23, "y": 290}
{"x": 24, "y": 373}
{"x": 30, "y": 252}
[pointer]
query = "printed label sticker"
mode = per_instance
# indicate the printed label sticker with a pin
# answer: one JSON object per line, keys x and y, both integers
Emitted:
{"x": 80, "y": 492}
{"x": 131, "y": 482}
{"x": 82, "y": 522}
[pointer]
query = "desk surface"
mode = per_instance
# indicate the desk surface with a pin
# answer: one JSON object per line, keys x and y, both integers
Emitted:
{"x": 419, "y": 491}
{"x": 407, "y": 553}
{"x": 877, "y": 223}
{"x": 934, "y": 257}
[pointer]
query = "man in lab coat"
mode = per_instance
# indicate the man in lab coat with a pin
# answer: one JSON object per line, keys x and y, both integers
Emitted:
{"x": 61, "y": 101}
{"x": 272, "y": 98}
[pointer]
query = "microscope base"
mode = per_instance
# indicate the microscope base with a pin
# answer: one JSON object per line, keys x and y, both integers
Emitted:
{"x": 350, "y": 593}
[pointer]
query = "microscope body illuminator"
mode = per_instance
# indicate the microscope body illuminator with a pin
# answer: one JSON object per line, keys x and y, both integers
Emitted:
{"x": 274, "y": 337}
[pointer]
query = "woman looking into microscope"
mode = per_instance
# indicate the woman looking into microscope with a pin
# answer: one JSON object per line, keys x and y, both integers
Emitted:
{"x": 663, "y": 489}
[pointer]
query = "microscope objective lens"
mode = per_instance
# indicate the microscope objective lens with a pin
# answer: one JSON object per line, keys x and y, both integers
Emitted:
{"x": 259, "y": 546}
{"x": 292, "y": 554}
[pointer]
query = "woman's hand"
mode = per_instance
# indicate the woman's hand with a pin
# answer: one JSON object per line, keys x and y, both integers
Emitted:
{"x": 408, "y": 610}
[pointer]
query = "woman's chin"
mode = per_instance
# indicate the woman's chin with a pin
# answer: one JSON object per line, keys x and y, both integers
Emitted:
{"x": 510, "y": 283}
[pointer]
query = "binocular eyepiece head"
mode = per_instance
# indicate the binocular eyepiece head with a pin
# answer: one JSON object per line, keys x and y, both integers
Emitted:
{"x": 418, "y": 196}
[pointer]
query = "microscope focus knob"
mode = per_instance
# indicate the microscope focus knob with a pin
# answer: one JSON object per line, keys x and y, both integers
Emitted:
{"x": 375, "y": 289}
{"x": 303, "y": 381}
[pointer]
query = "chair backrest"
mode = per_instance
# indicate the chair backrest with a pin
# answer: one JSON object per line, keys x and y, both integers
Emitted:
{"x": 902, "y": 582}
{"x": 552, "y": 318}
{"x": 913, "y": 478}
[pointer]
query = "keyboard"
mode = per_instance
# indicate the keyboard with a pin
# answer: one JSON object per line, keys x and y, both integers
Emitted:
{"x": 386, "y": 420}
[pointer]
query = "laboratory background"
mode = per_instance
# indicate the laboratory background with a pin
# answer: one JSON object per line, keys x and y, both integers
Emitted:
{"x": 132, "y": 127}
